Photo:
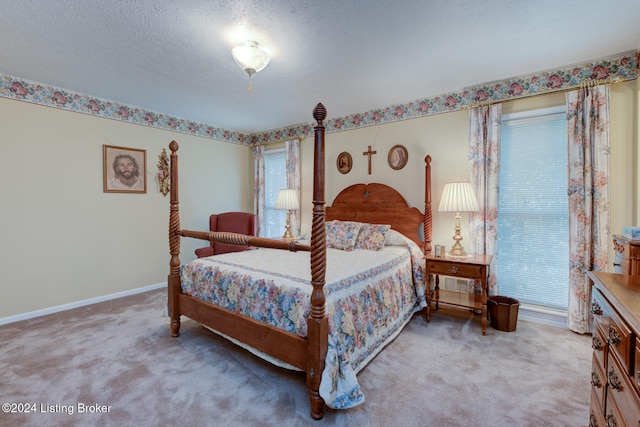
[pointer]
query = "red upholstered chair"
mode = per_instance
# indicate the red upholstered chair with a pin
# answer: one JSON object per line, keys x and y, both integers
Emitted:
{"x": 233, "y": 222}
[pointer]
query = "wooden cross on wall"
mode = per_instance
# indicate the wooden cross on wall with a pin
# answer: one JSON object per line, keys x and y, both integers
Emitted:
{"x": 369, "y": 153}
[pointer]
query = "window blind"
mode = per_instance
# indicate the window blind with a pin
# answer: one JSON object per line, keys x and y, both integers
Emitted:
{"x": 275, "y": 179}
{"x": 533, "y": 227}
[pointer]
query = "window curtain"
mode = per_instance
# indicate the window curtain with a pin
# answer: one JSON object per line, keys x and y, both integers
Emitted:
{"x": 484, "y": 168}
{"x": 588, "y": 149}
{"x": 258, "y": 187}
{"x": 292, "y": 159}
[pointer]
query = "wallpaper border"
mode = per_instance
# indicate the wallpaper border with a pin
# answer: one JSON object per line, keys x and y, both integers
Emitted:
{"x": 618, "y": 68}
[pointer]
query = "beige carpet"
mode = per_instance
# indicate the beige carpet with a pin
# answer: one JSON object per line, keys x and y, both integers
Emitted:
{"x": 118, "y": 356}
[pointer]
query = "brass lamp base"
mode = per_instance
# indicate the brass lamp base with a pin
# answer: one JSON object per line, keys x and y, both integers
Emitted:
{"x": 287, "y": 233}
{"x": 457, "y": 250}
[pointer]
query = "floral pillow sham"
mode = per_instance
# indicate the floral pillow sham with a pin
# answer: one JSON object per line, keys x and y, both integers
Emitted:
{"x": 342, "y": 234}
{"x": 372, "y": 236}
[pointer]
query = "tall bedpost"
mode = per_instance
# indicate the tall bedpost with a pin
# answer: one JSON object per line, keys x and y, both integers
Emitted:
{"x": 428, "y": 216}
{"x": 317, "y": 323}
{"x": 173, "y": 280}
{"x": 428, "y": 230}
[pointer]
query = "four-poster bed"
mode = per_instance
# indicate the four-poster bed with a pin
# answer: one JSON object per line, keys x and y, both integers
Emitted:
{"x": 340, "y": 317}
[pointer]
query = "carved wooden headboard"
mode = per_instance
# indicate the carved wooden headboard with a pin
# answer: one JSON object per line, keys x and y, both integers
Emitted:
{"x": 377, "y": 204}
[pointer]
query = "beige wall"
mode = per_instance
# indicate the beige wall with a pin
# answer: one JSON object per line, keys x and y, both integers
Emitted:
{"x": 445, "y": 137}
{"x": 63, "y": 238}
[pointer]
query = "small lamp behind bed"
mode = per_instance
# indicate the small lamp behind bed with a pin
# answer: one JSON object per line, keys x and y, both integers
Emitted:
{"x": 287, "y": 200}
{"x": 458, "y": 197}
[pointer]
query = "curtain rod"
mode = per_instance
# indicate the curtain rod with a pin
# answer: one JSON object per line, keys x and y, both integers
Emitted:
{"x": 277, "y": 141}
{"x": 583, "y": 84}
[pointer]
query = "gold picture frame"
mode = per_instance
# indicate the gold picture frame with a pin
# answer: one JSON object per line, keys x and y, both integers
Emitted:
{"x": 398, "y": 157}
{"x": 344, "y": 162}
{"x": 124, "y": 169}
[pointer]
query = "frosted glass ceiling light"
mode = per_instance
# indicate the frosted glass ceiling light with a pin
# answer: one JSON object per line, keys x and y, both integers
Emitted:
{"x": 250, "y": 58}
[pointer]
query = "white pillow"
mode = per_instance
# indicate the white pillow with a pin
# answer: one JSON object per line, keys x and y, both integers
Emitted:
{"x": 395, "y": 238}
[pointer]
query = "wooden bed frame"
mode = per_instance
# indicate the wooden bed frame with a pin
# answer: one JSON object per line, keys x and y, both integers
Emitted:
{"x": 372, "y": 203}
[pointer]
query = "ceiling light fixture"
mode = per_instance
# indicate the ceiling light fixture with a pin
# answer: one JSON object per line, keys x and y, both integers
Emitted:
{"x": 250, "y": 58}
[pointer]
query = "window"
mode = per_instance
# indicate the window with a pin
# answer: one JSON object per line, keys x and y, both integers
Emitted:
{"x": 533, "y": 225}
{"x": 275, "y": 179}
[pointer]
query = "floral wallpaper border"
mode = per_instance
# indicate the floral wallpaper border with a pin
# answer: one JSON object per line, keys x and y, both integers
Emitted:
{"x": 619, "y": 68}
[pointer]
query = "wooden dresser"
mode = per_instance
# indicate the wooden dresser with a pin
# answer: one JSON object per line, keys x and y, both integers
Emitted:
{"x": 627, "y": 260}
{"x": 615, "y": 372}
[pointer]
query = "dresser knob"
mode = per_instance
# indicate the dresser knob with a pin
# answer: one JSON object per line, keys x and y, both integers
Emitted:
{"x": 453, "y": 270}
{"x": 595, "y": 308}
{"x": 614, "y": 382}
{"x": 596, "y": 343}
{"x": 595, "y": 380}
{"x": 614, "y": 336}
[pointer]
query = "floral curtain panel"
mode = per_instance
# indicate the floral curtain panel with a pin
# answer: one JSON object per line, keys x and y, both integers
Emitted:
{"x": 588, "y": 148}
{"x": 292, "y": 159}
{"x": 484, "y": 168}
{"x": 258, "y": 187}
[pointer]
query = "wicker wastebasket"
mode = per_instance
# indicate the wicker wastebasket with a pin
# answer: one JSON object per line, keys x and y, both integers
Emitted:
{"x": 503, "y": 312}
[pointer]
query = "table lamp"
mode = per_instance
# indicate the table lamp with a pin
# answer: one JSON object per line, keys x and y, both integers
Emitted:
{"x": 287, "y": 200}
{"x": 458, "y": 197}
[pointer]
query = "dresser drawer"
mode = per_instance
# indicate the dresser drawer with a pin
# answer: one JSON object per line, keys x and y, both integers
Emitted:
{"x": 446, "y": 269}
{"x": 616, "y": 332}
{"x": 627, "y": 255}
{"x": 599, "y": 345}
{"x": 621, "y": 396}
{"x": 622, "y": 266}
{"x": 621, "y": 248}
{"x": 598, "y": 383}
{"x": 596, "y": 413}
{"x": 636, "y": 374}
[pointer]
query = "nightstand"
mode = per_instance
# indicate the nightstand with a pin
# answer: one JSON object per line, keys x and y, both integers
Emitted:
{"x": 473, "y": 267}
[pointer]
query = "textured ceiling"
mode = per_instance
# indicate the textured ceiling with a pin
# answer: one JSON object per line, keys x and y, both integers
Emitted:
{"x": 174, "y": 56}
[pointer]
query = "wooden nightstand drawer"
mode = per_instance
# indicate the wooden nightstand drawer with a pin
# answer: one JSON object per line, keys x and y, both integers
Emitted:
{"x": 455, "y": 269}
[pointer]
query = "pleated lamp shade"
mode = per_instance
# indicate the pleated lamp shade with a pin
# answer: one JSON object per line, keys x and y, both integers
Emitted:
{"x": 458, "y": 197}
{"x": 287, "y": 199}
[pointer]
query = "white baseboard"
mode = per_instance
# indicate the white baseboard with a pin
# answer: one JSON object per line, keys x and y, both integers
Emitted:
{"x": 536, "y": 314}
{"x": 76, "y": 304}
{"x": 529, "y": 313}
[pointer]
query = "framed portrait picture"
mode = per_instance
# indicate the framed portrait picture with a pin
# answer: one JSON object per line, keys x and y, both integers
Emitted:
{"x": 124, "y": 169}
{"x": 398, "y": 156}
{"x": 344, "y": 162}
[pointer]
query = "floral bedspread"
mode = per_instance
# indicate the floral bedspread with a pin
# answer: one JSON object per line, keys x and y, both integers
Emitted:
{"x": 370, "y": 297}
